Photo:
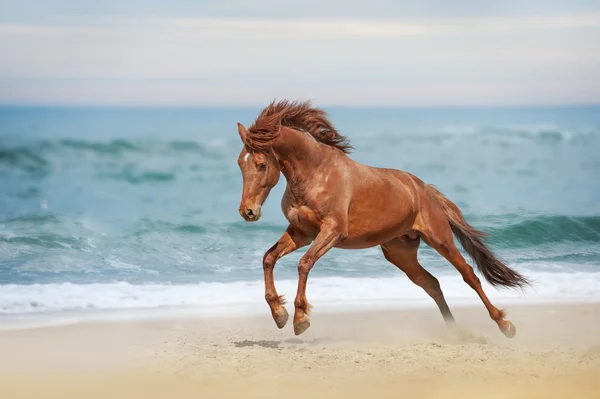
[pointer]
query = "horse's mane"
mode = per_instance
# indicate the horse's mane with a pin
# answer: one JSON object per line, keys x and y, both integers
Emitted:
{"x": 299, "y": 115}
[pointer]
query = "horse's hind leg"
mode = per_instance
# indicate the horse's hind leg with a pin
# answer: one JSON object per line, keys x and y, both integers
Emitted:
{"x": 438, "y": 235}
{"x": 402, "y": 252}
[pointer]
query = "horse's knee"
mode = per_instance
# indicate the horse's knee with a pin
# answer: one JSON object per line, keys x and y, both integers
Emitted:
{"x": 269, "y": 261}
{"x": 305, "y": 264}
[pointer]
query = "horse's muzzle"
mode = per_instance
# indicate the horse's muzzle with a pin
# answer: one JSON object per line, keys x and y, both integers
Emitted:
{"x": 250, "y": 214}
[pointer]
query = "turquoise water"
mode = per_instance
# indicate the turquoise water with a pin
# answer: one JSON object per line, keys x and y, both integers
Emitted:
{"x": 123, "y": 208}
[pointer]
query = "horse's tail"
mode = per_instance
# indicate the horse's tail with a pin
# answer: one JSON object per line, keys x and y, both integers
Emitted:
{"x": 492, "y": 267}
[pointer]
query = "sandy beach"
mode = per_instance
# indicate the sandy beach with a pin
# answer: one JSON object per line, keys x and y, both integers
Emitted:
{"x": 384, "y": 353}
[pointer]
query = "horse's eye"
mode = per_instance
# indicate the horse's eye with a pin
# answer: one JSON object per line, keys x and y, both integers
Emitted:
{"x": 262, "y": 166}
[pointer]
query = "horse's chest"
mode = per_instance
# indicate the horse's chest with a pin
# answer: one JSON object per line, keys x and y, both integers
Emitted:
{"x": 303, "y": 219}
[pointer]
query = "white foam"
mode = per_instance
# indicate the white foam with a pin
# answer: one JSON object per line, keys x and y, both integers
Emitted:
{"x": 323, "y": 292}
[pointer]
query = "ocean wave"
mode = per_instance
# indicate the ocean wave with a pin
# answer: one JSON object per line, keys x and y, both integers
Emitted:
{"x": 144, "y": 147}
{"x": 25, "y": 159}
{"x": 155, "y": 226}
{"x": 538, "y": 132}
{"x": 31, "y": 152}
{"x": 501, "y": 135}
{"x": 505, "y": 232}
{"x": 113, "y": 147}
{"x": 35, "y": 219}
{"x": 522, "y": 233}
{"x": 187, "y": 146}
{"x": 46, "y": 231}
{"x": 43, "y": 241}
{"x": 53, "y": 231}
{"x": 137, "y": 162}
{"x": 546, "y": 229}
{"x": 331, "y": 291}
{"x": 122, "y": 146}
{"x": 133, "y": 177}
{"x": 34, "y": 154}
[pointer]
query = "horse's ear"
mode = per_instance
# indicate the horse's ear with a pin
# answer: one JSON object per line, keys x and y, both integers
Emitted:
{"x": 243, "y": 132}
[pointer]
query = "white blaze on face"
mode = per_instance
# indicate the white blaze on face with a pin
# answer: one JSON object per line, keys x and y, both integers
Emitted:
{"x": 246, "y": 157}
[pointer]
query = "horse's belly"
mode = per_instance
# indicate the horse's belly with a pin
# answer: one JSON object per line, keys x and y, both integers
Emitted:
{"x": 368, "y": 239}
{"x": 375, "y": 228}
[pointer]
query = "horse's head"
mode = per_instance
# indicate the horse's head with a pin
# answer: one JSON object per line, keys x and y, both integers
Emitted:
{"x": 260, "y": 173}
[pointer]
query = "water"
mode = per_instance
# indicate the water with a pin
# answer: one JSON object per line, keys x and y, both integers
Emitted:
{"x": 106, "y": 209}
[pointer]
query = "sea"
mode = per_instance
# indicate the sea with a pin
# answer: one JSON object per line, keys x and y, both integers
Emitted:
{"x": 110, "y": 213}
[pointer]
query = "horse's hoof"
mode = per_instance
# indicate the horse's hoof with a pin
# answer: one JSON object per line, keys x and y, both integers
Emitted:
{"x": 281, "y": 319}
{"x": 301, "y": 327}
{"x": 509, "y": 331}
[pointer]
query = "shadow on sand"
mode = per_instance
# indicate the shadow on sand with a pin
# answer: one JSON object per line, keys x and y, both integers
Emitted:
{"x": 277, "y": 344}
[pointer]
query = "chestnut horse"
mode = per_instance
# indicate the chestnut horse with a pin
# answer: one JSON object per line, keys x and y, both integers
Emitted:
{"x": 332, "y": 201}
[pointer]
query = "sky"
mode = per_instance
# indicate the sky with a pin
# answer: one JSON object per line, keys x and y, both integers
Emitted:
{"x": 339, "y": 52}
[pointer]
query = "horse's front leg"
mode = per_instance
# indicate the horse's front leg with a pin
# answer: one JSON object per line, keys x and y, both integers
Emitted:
{"x": 328, "y": 237}
{"x": 289, "y": 242}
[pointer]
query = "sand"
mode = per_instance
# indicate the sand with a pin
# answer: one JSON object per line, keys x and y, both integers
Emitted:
{"x": 399, "y": 353}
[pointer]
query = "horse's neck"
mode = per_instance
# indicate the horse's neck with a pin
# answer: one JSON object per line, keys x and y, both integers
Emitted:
{"x": 299, "y": 156}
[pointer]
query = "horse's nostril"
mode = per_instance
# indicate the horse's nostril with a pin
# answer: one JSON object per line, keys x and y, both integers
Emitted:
{"x": 249, "y": 212}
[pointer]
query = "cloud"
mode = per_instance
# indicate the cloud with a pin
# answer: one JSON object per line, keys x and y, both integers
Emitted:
{"x": 48, "y": 10}
{"x": 125, "y": 59}
{"x": 304, "y": 28}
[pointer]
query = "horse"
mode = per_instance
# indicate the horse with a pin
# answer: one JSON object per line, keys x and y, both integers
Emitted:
{"x": 332, "y": 201}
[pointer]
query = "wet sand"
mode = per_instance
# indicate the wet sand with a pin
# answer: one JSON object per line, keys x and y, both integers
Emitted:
{"x": 385, "y": 353}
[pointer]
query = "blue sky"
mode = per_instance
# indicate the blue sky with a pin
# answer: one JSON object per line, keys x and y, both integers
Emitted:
{"x": 238, "y": 52}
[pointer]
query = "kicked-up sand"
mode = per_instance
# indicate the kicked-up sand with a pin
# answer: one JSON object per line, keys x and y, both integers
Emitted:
{"x": 391, "y": 353}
